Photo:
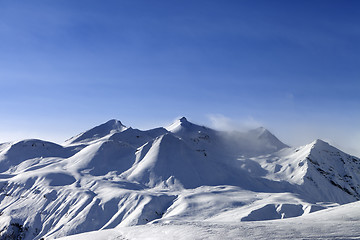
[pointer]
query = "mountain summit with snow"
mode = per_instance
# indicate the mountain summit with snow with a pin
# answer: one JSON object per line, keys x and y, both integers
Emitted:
{"x": 113, "y": 176}
{"x": 98, "y": 132}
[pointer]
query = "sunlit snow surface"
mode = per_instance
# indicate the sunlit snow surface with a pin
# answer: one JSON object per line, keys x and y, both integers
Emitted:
{"x": 182, "y": 182}
{"x": 338, "y": 223}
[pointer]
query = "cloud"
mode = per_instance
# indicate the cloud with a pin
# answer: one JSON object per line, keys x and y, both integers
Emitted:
{"x": 221, "y": 122}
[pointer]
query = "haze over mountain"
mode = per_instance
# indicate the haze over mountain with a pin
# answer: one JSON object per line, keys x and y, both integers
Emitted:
{"x": 113, "y": 176}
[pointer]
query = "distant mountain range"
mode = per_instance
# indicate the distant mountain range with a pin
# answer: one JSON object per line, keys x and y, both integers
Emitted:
{"x": 112, "y": 176}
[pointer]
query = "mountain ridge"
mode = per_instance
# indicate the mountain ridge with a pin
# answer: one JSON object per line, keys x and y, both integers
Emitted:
{"x": 99, "y": 131}
{"x": 113, "y": 175}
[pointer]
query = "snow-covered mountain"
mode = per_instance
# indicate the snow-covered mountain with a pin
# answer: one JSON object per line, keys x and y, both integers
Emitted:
{"x": 115, "y": 176}
{"x": 98, "y": 132}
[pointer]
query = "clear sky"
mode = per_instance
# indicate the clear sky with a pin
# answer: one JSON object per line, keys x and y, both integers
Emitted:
{"x": 290, "y": 66}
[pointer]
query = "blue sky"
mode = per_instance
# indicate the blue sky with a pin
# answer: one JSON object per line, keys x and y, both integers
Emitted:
{"x": 291, "y": 66}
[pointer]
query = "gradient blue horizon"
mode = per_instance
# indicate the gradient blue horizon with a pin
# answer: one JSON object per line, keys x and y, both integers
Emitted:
{"x": 291, "y": 66}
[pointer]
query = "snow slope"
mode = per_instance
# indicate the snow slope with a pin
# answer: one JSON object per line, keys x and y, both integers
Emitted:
{"x": 342, "y": 222}
{"x": 184, "y": 176}
{"x": 98, "y": 132}
{"x": 321, "y": 172}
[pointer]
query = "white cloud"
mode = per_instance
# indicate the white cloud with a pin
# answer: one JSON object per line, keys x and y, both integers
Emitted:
{"x": 221, "y": 122}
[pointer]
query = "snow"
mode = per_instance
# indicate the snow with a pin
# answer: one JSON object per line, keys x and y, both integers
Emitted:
{"x": 181, "y": 182}
{"x": 98, "y": 132}
{"x": 337, "y": 223}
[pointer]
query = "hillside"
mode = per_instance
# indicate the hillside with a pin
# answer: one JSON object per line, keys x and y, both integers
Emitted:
{"x": 114, "y": 176}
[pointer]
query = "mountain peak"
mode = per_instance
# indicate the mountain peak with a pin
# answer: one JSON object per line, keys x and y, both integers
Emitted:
{"x": 183, "y": 120}
{"x": 262, "y": 131}
{"x": 100, "y": 131}
{"x": 114, "y": 124}
{"x": 319, "y": 141}
{"x": 320, "y": 144}
{"x": 178, "y": 125}
{"x": 264, "y": 136}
